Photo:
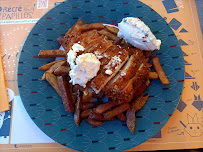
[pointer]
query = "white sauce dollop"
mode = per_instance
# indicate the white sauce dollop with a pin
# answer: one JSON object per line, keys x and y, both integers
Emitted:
{"x": 84, "y": 67}
{"x": 135, "y": 32}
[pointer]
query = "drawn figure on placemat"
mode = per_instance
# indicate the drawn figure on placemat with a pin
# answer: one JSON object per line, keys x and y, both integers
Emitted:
{"x": 193, "y": 128}
{"x": 2, "y": 119}
{"x": 5, "y": 119}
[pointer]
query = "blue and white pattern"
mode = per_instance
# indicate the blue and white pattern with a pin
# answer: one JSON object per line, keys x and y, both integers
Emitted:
{"x": 5, "y": 120}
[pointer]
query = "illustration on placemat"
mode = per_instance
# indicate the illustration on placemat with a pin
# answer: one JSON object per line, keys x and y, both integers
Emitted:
{"x": 5, "y": 120}
{"x": 195, "y": 86}
{"x": 193, "y": 128}
{"x": 1, "y": 119}
{"x": 198, "y": 103}
{"x": 170, "y": 6}
{"x": 5, "y": 126}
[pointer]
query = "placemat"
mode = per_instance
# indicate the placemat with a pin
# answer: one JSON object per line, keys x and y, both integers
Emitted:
{"x": 180, "y": 131}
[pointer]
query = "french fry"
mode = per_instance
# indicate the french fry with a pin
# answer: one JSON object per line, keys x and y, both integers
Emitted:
{"x": 65, "y": 94}
{"x": 153, "y": 76}
{"x": 149, "y": 65}
{"x": 114, "y": 112}
{"x": 95, "y": 116}
{"x": 53, "y": 68}
{"x": 109, "y": 119}
{"x": 87, "y": 97}
{"x": 73, "y": 95}
{"x": 61, "y": 41}
{"x": 92, "y": 26}
{"x": 78, "y": 105}
{"x": 126, "y": 45}
{"x": 91, "y": 32}
{"x": 77, "y": 87}
{"x": 117, "y": 42}
{"x": 79, "y": 22}
{"x": 112, "y": 29}
{"x": 51, "y": 78}
{"x": 94, "y": 122}
{"x": 109, "y": 35}
{"x": 105, "y": 107}
{"x": 62, "y": 70}
{"x": 160, "y": 71}
{"x": 77, "y": 29}
{"x": 86, "y": 113}
{"x": 89, "y": 105}
{"x": 51, "y": 53}
{"x": 147, "y": 54}
{"x": 48, "y": 65}
{"x": 131, "y": 120}
{"x": 121, "y": 116}
{"x": 139, "y": 102}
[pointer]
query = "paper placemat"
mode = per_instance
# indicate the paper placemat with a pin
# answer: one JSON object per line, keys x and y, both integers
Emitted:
{"x": 4, "y": 104}
{"x": 181, "y": 131}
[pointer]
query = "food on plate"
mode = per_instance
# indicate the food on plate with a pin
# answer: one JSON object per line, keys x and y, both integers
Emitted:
{"x": 65, "y": 94}
{"x": 139, "y": 102}
{"x": 142, "y": 88}
{"x": 86, "y": 113}
{"x": 77, "y": 116}
{"x": 130, "y": 114}
{"x": 96, "y": 116}
{"x": 111, "y": 62}
{"x": 48, "y": 65}
{"x": 105, "y": 107}
{"x": 110, "y": 35}
{"x": 134, "y": 31}
{"x": 136, "y": 105}
{"x": 115, "y": 111}
{"x": 94, "y": 122}
{"x": 84, "y": 67}
{"x": 104, "y": 61}
{"x": 147, "y": 54}
{"x": 62, "y": 70}
{"x": 52, "y": 79}
{"x": 53, "y": 68}
{"x": 52, "y": 53}
{"x": 160, "y": 71}
{"x": 112, "y": 29}
{"x": 90, "y": 105}
{"x": 88, "y": 27}
{"x": 122, "y": 116}
{"x": 79, "y": 23}
{"x": 153, "y": 76}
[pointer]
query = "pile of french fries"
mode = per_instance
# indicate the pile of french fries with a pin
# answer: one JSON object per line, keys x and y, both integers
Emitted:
{"x": 76, "y": 100}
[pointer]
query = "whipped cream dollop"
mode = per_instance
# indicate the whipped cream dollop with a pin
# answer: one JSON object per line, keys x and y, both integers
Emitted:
{"x": 135, "y": 32}
{"x": 83, "y": 67}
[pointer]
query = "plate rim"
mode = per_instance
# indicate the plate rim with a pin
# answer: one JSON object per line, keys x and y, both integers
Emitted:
{"x": 113, "y": 25}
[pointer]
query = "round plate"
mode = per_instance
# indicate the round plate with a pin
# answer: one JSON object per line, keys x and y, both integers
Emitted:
{"x": 44, "y": 105}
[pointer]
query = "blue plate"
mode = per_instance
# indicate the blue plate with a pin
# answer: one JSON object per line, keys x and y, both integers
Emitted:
{"x": 44, "y": 105}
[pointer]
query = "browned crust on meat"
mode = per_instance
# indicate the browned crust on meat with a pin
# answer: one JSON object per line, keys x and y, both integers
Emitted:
{"x": 102, "y": 79}
{"x": 120, "y": 81}
{"x": 127, "y": 94}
